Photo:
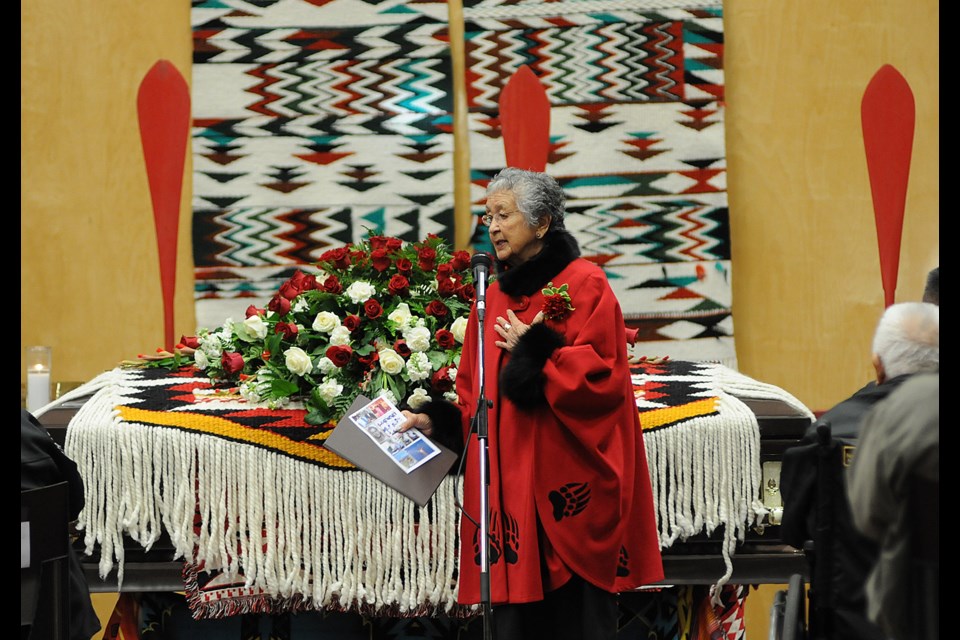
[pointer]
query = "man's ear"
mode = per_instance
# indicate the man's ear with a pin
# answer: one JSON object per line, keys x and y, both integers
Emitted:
{"x": 878, "y": 367}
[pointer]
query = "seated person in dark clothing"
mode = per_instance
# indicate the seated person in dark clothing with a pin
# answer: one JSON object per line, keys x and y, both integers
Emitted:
{"x": 906, "y": 342}
{"x": 43, "y": 463}
{"x": 931, "y": 290}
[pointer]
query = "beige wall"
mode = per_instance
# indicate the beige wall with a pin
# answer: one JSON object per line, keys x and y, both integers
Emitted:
{"x": 89, "y": 278}
{"x": 807, "y": 290}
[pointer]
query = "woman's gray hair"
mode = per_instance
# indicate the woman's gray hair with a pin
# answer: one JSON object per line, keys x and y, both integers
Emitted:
{"x": 907, "y": 339}
{"x": 537, "y": 195}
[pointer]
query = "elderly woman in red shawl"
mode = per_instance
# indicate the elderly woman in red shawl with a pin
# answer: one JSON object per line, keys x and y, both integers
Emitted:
{"x": 571, "y": 509}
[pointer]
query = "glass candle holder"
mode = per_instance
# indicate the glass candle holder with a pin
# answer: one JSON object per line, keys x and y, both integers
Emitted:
{"x": 38, "y": 377}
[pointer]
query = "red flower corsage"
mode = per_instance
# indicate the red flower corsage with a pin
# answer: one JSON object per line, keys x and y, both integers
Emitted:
{"x": 556, "y": 302}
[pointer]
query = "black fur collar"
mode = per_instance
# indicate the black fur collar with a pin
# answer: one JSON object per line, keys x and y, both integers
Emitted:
{"x": 560, "y": 249}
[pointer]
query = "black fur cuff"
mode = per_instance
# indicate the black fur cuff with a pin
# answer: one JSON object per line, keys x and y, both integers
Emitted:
{"x": 447, "y": 426}
{"x": 521, "y": 380}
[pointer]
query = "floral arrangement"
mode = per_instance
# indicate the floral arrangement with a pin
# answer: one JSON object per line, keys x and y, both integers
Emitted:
{"x": 380, "y": 317}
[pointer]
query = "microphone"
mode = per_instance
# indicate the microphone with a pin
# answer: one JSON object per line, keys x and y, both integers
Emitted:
{"x": 480, "y": 263}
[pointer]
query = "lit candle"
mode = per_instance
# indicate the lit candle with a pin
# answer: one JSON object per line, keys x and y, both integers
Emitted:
{"x": 38, "y": 387}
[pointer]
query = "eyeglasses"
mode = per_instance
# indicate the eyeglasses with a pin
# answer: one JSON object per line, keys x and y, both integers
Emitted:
{"x": 500, "y": 217}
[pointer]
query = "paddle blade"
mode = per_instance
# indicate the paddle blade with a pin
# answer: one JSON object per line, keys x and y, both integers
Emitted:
{"x": 887, "y": 114}
{"x": 163, "y": 109}
{"x": 525, "y": 121}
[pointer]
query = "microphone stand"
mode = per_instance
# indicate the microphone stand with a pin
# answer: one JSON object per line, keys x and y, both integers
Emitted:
{"x": 482, "y": 424}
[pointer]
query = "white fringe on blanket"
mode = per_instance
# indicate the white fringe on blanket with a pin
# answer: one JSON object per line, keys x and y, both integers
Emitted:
{"x": 328, "y": 536}
{"x": 706, "y": 471}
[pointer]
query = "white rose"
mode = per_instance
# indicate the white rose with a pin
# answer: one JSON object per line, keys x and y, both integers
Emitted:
{"x": 325, "y": 322}
{"x": 325, "y": 365}
{"x": 360, "y": 291}
{"x": 253, "y": 328}
{"x": 418, "y": 338}
{"x": 200, "y": 359}
{"x": 329, "y": 389}
{"x": 418, "y": 398}
{"x": 401, "y": 316}
{"x": 418, "y": 366}
{"x": 340, "y": 336}
{"x": 298, "y": 361}
{"x": 391, "y": 362}
{"x": 459, "y": 329}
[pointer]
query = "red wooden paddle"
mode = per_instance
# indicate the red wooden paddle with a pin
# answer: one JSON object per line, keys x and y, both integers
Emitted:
{"x": 163, "y": 107}
{"x": 525, "y": 121}
{"x": 887, "y": 115}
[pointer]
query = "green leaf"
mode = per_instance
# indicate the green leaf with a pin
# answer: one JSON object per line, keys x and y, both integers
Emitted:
{"x": 283, "y": 388}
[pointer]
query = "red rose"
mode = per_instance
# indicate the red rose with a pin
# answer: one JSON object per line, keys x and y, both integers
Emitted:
{"x": 446, "y": 287}
{"x": 297, "y": 278}
{"x": 400, "y": 346}
{"x": 339, "y": 257}
{"x": 460, "y": 261}
{"x": 279, "y": 305}
{"x": 399, "y": 285}
{"x": 190, "y": 341}
{"x": 394, "y": 244}
{"x": 372, "y": 309}
{"x": 378, "y": 242}
{"x": 441, "y": 380}
{"x": 332, "y": 285}
{"x": 289, "y": 330}
{"x": 555, "y": 307}
{"x": 309, "y": 283}
{"x": 358, "y": 257}
{"x": 380, "y": 259}
{"x": 404, "y": 266}
{"x": 340, "y": 354}
{"x": 352, "y": 322}
{"x": 289, "y": 290}
{"x": 426, "y": 258}
{"x": 254, "y": 311}
{"x": 368, "y": 361}
{"x": 445, "y": 339}
{"x": 445, "y": 270}
{"x": 436, "y": 309}
{"x": 232, "y": 362}
{"x": 467, "y": 292}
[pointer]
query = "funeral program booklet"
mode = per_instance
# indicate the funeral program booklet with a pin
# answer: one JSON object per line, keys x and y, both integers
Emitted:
{"x": 410, "y": 463}
{"x": 380, "y": 421}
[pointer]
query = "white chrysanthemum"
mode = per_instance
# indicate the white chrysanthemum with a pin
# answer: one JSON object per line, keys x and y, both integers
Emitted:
{"x": 300, "y": 305}
{"x": 326, "y": 322}
{"x": 298, "y": 361}
{"x": 401, "y": 316}
{"x": 450, "y": 395}
{"x": 252, "y": 329}
{"x": 326, "y": 366}
{"x": 452, "y": 374}
{"x": 329, "y": 389}
{"x": 386, "y": 393}
{"x": 391, "y": 362}
{"x": 459, "y": 329}
{"x": 418, "y": 338}
{"x": 340, "y": 336}
{"x": 418, "y": 398}
{"x": 200, "y": 359}
{"x": 418, "y": 366}
{"x": 360, "y": 291}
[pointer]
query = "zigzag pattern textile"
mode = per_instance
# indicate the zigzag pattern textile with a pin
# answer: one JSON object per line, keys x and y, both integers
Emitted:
{"x": 636, "y": 92}
{"x": 313, "y": 122}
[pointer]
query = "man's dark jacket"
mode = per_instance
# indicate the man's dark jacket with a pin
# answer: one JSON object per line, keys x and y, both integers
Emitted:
{"x": 853, "y": 555}
{"x": 43, "y": 463}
